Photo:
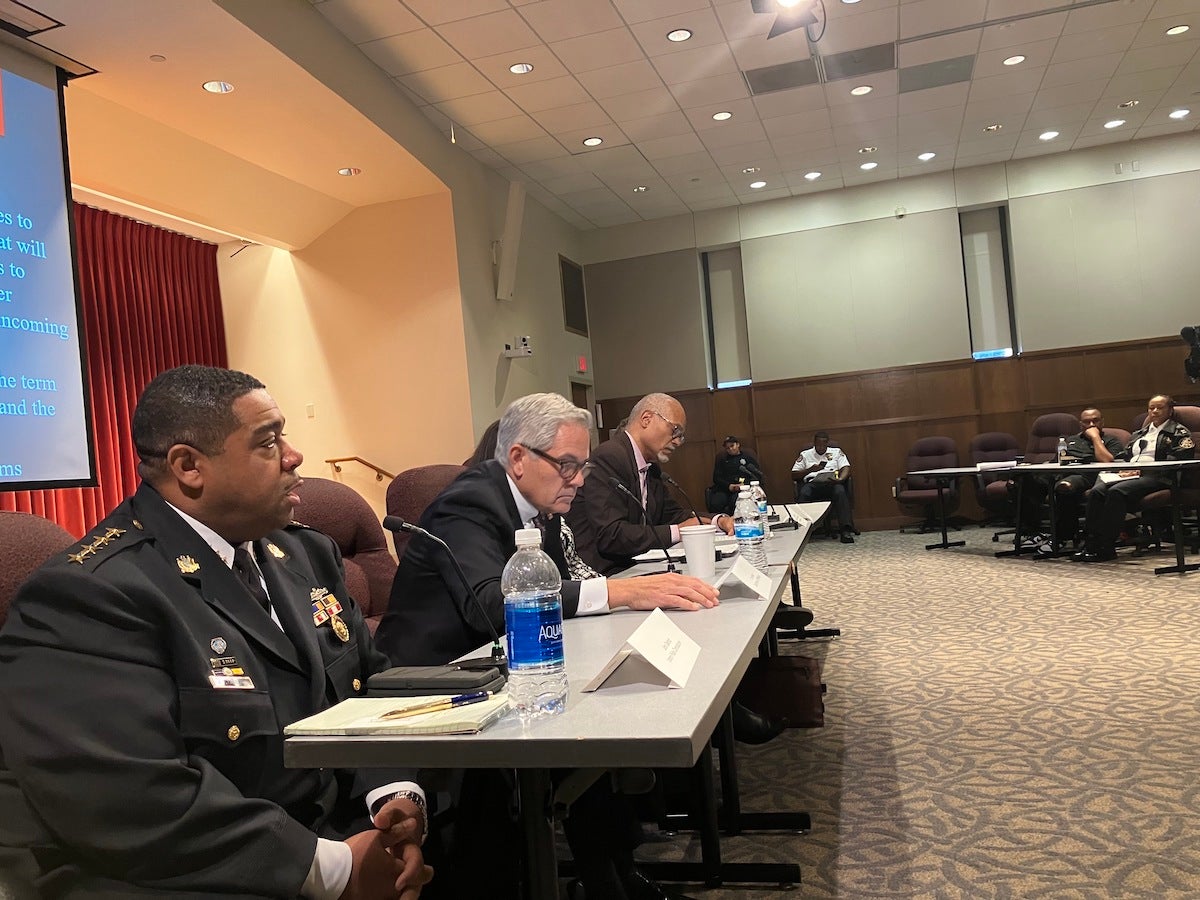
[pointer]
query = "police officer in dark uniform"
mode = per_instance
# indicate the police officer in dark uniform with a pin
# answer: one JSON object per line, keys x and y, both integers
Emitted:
{"x": 735, "y": 468}
{"x": 1161, "y": 437}
{"x": 1088, "y": 446}
{"x": 150, "y": 669}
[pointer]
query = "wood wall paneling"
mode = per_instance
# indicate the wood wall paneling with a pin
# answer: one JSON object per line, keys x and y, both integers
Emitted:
{"x": 733, "y": 413}
{"x": 832, "y": 402}
{"x": 947, "y": 391}
{"x": 780, "y": 406}
{"x": 1000, "y": 385}
{"x": 888, "y": 395}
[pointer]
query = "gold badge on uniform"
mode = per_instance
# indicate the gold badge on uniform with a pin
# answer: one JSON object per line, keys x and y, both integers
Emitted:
{"x": 341, "y": 629}
{"x": 275, "y": 551}
{"x": 187, "y": 565}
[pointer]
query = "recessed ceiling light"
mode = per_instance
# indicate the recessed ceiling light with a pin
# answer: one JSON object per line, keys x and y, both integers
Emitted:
{"x": 849, "y": 1}
{"x": 995, "y": 126}
{"x": 867, "y": 149}
{"x": 1179, "y": 113}
{"x": 217, "y": 87}
{"x": 678, "y": 35}
{"x": 350, "y": 170}
{"x": 1047, "y": 135}
{"x": 593, "y": 142}
{"x": 1114, "y": 123}
{"x": 758, "y": 184}
{"x": 861, "y": 90}
{"x": 1014, "y": 60}
{"x": 926, "y": 156}
{"x": 157, "y": 57}
{"x": 811, "y": 176}
{"x": 750, "y": 170}
{"x": 521, "y": 68}
{"x": 722, "y": 116}
{"x": 867, "y": 167}
{"x": 640, "y": 189}
{"x": 1177, "y": 29}
{"x": 1128, "y": 104}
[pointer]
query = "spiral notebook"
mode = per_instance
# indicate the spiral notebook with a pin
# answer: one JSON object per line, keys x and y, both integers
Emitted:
{"x": 362, "y": 715}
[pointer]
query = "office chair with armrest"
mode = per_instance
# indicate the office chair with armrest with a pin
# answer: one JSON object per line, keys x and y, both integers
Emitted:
{"x": 991, "y": 488}
{"x": 340, "y": 512}
{"x": 26, "y": 541}
{"x": 1155, "y": 508}
{"x": 412, "y": 491}
{"x": 917, "y": 495}
{"x": 1044, "y": 435}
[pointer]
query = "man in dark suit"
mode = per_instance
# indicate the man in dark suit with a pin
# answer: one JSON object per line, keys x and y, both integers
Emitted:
{"x": 609, "y": 526}
{"x": 541, "y": 456}
{"x": 150, "y": 669}
{"x": 1159, "y": 438}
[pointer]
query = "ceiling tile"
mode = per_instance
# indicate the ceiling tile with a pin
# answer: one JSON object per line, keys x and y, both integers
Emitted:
{"x": 557, "y": 20}
{"x": 510, "y": 130}
{"x": 368, "y": 20}
{"x": 743, "y": 111}
{"x": 488, "y": 35}
{"x": 1067, "y": 94}
{"x": 566, "y": 184}
{"x": 747, "y": 133}
{"x": 686, "y": 169}
{"x": 654, "y": 102}
{"x": 1021, "y": 81}
{"x": 1106, "y": 15}
{"x": 786, "y": 103}
{"x": 654, "y": 127}
{"x": 415, "y": 51}
{"x": 490, "y": 158}
{"x": 1153, "y": 31}
{"x": 929, "y": 16}
{"x": 1060, "y": 118}
{"x": 716, "y": 203}
{"x": 554, "y": 168}
{"x": 435, "y": 12}
{"x": 1092, "y": 70}
{"x": 1140, "y": 85}
{"x": 1147, "y": 58}
{"x": 447, "y": 82}
{"x": 479, "y": 108}
{"x": 1026, "y": 31}
{"x": 1165, "y": 126}
{"x": 947, "y": 46}
{"x": 1003, "y": 9}
{"x": 677, "y": 145}
{"x": 704, "y": 91}
{"x": 609, "y": 221}
{"x": 877, "y": 26}
{"x": 707, "y": 181}
{"x": 739, "y": 21}
{"x": 756, "y": 51}
{"x": 1037, "y": 56}
{"x": 870, "y": 110}
{"x": 802, "y": 148}
{"x": 948, "y": 95}
{"x": 701, "y": 62}
{"x": 623, "y": 79}
{"x": 598, "y": 51}
{"x": 529, "y": 151}
{"x": 740, "y": 153}
{"x": 883, "y": 85}
{"x": 1096, "y": 140}
{"x": 1093, "y": 43}
{"x": 548, "y": 94}
{"x": 574, "y": 117}
{"x": 802, "y": 123}
{"x": 645, "y": 10}
{"x": 612, "y": 136}
{"x": 1007, "y": 111}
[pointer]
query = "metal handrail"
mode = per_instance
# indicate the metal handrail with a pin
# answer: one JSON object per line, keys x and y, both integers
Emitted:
{"x": 380, "y": 474}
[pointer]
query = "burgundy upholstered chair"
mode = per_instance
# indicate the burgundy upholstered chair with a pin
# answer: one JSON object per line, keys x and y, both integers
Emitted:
{"x": 340, "y": 512}
{"x": 26, "y": 541}
{"x": 1188, "y": 416}
{"x": 1044, "y": 435}
{"x": 918, "y": 495}
{"x": 412, "y": 491}
{"x": 991, "y": 488}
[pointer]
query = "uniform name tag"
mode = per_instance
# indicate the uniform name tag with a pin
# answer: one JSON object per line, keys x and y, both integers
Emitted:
{"x": 231, "y": 682}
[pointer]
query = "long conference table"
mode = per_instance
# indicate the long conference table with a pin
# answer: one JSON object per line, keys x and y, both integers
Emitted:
{"x": 1172, "y": 468}
{"x": 635, "y": 725}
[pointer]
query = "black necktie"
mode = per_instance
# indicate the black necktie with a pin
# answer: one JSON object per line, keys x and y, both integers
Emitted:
{"x": 247, "y": 573}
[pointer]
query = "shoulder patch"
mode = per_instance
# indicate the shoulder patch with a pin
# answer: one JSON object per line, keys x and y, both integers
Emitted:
{"x": 1186, "y": 444}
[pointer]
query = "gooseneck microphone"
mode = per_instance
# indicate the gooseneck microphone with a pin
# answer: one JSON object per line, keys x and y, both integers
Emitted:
{"x": 753, "y": 471}
{"x": 498, "y": 659}
{"x": 616, "y": 483}
{"x": 675, "y": 484}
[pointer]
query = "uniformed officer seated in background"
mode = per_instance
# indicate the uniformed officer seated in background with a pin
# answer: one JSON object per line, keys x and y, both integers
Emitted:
{"x": 1159, "y": 438}
{"x": 733, "y": 468}
{"x": 822, "y": 473}
{"x": 1090, "y": 445}
{"x": 150, "y": 669}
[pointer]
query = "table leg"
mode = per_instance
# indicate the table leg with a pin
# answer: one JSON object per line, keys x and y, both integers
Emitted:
{"x": 1177, "y": 523}
{"x": 946, "y": 542}
{"x": 534, "y": 793}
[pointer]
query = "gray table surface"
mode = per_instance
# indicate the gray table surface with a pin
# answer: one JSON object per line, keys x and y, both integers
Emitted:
{"x": 637, "y": 724}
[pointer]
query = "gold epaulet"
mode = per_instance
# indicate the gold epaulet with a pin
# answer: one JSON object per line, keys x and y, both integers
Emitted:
{"x": 105, "y": 539}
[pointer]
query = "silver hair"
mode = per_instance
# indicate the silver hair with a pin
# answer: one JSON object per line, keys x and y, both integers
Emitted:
{"x": 658, "y": 403}
{"x": 534, "y": 421}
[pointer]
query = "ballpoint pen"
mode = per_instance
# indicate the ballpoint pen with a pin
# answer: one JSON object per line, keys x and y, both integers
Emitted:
{"x": 438, "y": 705}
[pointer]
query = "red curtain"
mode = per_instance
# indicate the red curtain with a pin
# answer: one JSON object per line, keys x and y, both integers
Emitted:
{"x": 150, "y": 301}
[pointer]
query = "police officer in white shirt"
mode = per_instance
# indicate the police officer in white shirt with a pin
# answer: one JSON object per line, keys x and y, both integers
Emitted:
{"x": 822, "y": 472}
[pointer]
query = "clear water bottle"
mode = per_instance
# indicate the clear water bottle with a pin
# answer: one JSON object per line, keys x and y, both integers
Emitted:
{"x": 1062, "y": 450}
{"x": 533, "y": 622}
{"x": 747, "y": 528}
{"x": 764, "y": 514}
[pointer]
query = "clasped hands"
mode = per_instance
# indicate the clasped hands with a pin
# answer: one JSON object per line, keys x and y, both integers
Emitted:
{"x": 388, "y": 863}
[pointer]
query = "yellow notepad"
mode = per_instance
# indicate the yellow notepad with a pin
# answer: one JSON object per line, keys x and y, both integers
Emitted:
{"x": 361, "y": 715}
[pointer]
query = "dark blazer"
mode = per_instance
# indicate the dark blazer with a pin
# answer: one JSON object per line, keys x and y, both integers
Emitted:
{"x": 430, "y": 619}
{"x": 608, "y": 525}
{"x": 1174, "y": 442}
{"x": 119, "y": 758}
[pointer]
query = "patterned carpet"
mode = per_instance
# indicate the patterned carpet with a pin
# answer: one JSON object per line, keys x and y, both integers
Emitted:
{"x": 994, "y": 729}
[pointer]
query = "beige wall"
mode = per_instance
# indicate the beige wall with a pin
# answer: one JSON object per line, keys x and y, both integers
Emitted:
{"x": 365, "y": 325}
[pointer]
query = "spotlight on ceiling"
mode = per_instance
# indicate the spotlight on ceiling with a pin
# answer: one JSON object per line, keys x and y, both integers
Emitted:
{"x": 791, "y": 15}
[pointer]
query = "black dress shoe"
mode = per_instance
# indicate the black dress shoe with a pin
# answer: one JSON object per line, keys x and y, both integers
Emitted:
{"x": 1095, "y": 556}
{"x": 847, "y": 537}
{"x": 751, "y": 728}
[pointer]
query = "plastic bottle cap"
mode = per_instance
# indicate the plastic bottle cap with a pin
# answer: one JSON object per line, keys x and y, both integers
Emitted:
{"x": 753, "y": 483}
{"x": 528, "y": 537}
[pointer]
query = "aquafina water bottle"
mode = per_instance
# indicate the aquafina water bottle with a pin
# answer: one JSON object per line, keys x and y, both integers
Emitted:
{"x": 764, "y": 514}
{"x": 747, "y": 528}
{"x": 537, "y": 676}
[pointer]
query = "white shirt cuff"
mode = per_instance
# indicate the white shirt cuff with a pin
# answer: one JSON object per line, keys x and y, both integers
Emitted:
{"x": 674, "y": 534}
{"x": 330, "y": 871}
{"x": 593, "y": 597}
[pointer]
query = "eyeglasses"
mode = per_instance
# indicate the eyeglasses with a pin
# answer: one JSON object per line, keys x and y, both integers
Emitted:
{"x": 567, "y": 468}
{"x": 678, "y": 433}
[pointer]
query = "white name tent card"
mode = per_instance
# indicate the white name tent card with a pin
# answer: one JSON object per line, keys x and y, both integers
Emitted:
{"x": 744, "y": 571}
{"x": 657, "y": 651}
